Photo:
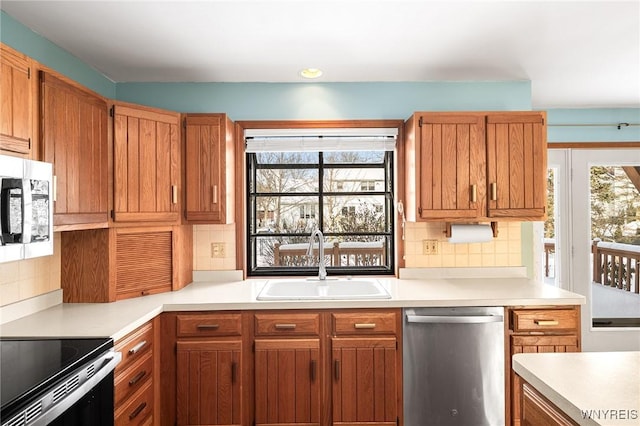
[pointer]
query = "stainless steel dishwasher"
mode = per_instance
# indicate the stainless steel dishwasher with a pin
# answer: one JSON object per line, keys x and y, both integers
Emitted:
{"x": 453, "y": 361}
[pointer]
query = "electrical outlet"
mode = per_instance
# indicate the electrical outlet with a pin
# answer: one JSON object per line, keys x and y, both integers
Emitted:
{"x": 429, "y": 246}
{"x": 217, "y": 250}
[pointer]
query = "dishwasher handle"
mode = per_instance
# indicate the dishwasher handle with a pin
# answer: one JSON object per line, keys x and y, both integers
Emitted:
{"x": 454, "y": 319}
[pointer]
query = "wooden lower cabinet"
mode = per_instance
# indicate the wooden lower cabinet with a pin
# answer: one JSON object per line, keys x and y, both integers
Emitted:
{"x": 532, "y": 330}
{"x": 287, "y": 381}
{"x": 365, "y": 380}
{"x": 136, "y": 377}
{"x": 208, "y": 382}
{"x": 281, "y": 367}
{"x": 207, "y": 385}
{"x": 538, "y": 410}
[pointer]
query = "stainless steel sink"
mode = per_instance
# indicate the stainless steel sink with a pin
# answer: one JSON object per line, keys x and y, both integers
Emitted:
{"x": 329, "y": 289}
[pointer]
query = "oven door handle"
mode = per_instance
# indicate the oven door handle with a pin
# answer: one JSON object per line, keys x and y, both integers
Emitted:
{"x": 109, "y": 362}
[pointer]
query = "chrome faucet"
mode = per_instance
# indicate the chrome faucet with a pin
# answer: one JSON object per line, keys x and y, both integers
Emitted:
{"x": 322, "y": 271}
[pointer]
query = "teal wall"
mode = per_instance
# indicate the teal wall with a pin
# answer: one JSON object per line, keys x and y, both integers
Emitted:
{"x": 327, "y": 101}
{"x": 605, "y": 129}
{"x": 22, "y": 39}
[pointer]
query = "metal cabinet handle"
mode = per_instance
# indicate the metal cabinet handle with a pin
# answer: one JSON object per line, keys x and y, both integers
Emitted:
{"x": 208, "y": 326}
{"x": 174, "y": 194}
{"x": 138, "y": 377}
{"x": 364, "y": 326}
{"x": 494, "y": 191}
{"x": 474, "y": 193}
{"x": 137, "y": 347}
{"x": 137, "y": 411}
{"x": 544, "y": 323}
{"x": 285, "y": 326}
{"x": 336, "y": 369}
{"x": 214, "y": 195}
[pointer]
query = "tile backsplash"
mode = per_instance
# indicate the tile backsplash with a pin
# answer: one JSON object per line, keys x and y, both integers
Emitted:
{"x": 32, "y": 277}
{"x": 203, "y": 237}
{"x": 504, "y": 250}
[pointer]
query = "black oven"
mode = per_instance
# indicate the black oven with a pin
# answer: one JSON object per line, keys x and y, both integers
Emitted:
{"x": 57, "y": 381}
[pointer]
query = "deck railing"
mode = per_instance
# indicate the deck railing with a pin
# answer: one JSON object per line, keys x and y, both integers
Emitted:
{"x": 616, "y": 265}
{"x": 336, "y": 253}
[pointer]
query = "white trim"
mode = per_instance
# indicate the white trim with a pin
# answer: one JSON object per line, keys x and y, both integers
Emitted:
{"x": 599, "y": 338}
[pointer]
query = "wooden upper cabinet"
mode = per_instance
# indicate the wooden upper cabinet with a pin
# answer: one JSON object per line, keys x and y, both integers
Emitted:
{"x": 16, "y": 107}
{"x": 209, "y": 166}
{"x": 453, "y": 166}
{"x": 74, "y": 135}
{"x": 517, "y": 165}
{"x": 471, "y": 166}
{"x": 146, "y": 164}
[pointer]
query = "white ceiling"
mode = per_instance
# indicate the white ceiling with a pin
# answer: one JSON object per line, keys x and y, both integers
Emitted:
{"x": 576, "y": 54}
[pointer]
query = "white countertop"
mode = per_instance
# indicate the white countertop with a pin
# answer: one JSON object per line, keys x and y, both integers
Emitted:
{"x": 593, "y": 388}
{"x": 119, "y": 318}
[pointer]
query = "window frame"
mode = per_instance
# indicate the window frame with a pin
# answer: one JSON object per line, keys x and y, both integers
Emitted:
{"x": 388, "y": 165}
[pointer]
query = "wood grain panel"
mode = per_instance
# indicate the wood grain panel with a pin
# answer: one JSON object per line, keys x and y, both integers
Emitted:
{"x": 16, "y": 102}
{"x": 426, "y": 172}
{"x": 537, "y": 410}
{"x": 209, "y": 148}
{"x": 463, "y": 163}
{"x": 74, "y": 135}
{"x": 143, "y": 263}
{"x": 286, "y": 388}
{"x": 146, "y": 172}
{"x": 208, "y": 382}
{"x": 516, "y": 162}
{"x": 449, "y": 172}
{"x": 365, "y": 380}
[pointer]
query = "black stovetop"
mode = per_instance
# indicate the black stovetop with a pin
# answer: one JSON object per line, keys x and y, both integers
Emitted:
{"x": 31, "y": 366}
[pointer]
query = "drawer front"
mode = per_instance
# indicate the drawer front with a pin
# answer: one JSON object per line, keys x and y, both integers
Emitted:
{"x": 137, "y": 410}
{"x": 544, "y": 319}
{"x": 287, "y": 324}
{"x": 364, "y": 323}
{"x": 191, "y": 325}
{"x": 134, "y": 346}
{"x": 133, "y": 378}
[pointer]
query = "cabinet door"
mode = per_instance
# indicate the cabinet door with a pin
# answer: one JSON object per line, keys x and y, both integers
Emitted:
{"x": 287, "y": 381}
{"x": 74, "y": 134}
{"x": 208, "y": 382}
{"x": 451, "y": 158}
{"x": 517, "y": 165}
{"x": 526, "y": 344}
{"x": 16, "y": 108}
{"x": 208, "y": 149}
{"x": 146, "y": 165}
{"x": 364, "y": 380}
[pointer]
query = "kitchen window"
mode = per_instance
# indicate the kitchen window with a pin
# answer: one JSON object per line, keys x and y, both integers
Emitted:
{"x": 316, "y": 185}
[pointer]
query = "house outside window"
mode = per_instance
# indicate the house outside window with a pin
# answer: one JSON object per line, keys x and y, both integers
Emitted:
{"x": 348, "y": 195}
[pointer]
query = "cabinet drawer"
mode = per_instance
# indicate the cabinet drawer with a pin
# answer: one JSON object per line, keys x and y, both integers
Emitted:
{"x": 364, "y": 323}
{"x": 287, "y": 324}
{"x": 209, "y": 325}
{"x": 544, "y": 319}
{"x": 137, "y": 410}
{"x": 133, "y": 378}
{"x": 134, "y": 346}
{"x": 559, "y": 343}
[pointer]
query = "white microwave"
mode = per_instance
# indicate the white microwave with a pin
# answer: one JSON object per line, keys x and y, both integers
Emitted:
{"x": 26, "y": 208}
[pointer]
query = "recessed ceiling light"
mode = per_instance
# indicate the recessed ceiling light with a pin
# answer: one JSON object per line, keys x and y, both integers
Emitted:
{"x": 311, "y": 73}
